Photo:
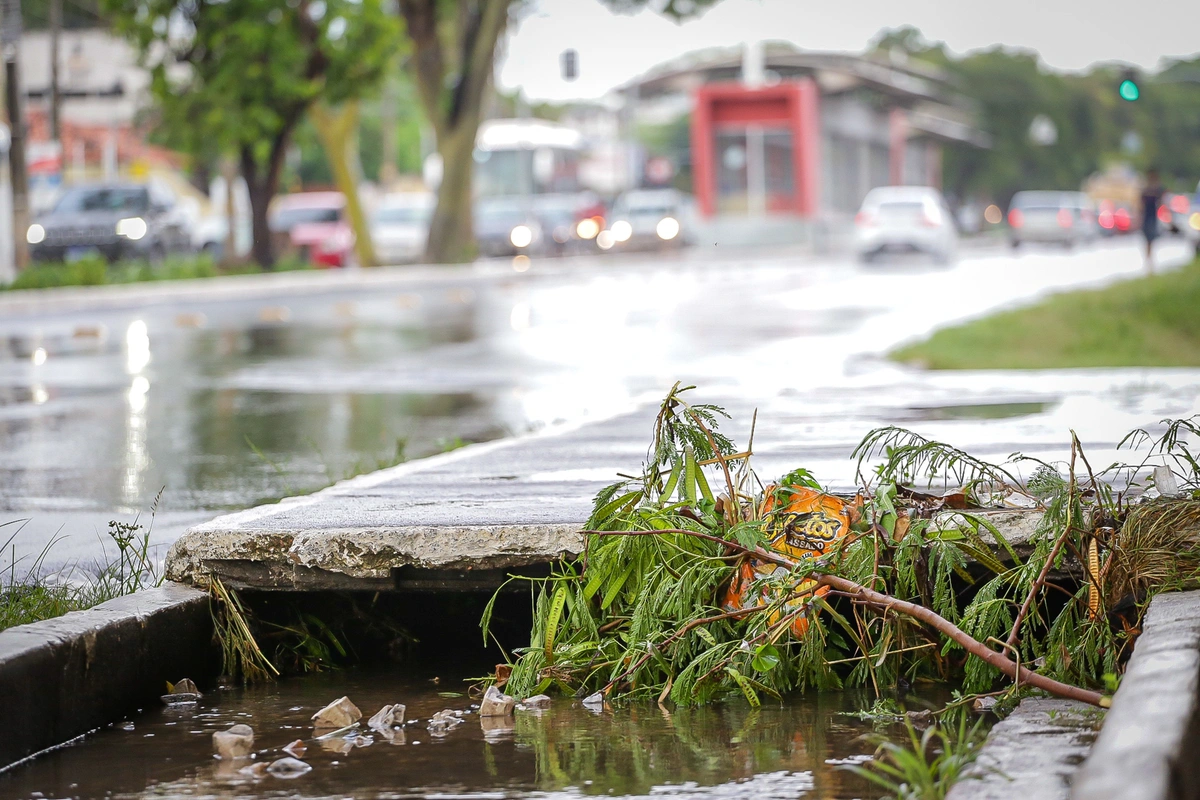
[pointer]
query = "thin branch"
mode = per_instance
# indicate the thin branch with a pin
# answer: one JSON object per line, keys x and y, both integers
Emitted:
{"x": 679, "y": 634}
{"x": 966, "y": 641}
{"x": 886, "y": 602}
{"x": 1058, "y": 545}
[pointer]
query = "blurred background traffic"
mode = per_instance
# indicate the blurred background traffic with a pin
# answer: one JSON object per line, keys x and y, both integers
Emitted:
{"x": 139, "y": 143}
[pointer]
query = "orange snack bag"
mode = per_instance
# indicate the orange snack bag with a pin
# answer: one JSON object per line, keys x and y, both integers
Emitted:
{"x": 807, "y": 527}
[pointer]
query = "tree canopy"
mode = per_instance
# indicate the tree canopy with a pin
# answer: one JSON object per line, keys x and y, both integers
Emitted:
{"x": 238, "y": 76}
{"x": 1010, "y": 87}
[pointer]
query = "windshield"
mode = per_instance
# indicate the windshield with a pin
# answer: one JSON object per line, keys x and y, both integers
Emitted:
{"x": 1041, "y": 201}
{"x": 400, "y": 216}
{"x": 289, "y": 218}
{"x": 902, "y": 208}
{"x": 647, "y": 211}
{"x": 133, "y": 200}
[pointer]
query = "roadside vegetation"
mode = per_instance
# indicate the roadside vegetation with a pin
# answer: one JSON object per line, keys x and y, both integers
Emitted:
{"x": 95, "y": 271}
{"x": 914, "y": 584}
{"x": 1144, "y": 322}
{"x": 27, "y": 594}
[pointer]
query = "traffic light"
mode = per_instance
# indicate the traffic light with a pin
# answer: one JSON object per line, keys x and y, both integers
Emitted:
{"x": 1128, "y": 88}
{"x": 570, "y": 65}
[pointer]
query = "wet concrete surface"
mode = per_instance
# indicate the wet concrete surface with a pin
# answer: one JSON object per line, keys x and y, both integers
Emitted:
{"x": 791, "y": 750}
{"x": 227, "y": 403}
{"x": 1153, "y": 728}
{"x": 1033, "y": 753}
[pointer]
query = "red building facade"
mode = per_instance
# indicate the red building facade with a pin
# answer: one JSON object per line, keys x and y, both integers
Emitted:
{"x": 757, "y": 150}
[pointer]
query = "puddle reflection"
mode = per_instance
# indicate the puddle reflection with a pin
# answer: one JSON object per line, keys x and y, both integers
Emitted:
{"x": 790, "y": 750}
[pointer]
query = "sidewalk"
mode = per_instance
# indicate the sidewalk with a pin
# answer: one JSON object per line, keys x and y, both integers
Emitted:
{"x": 67, "y": 299}
{"x": 462, "y": 520}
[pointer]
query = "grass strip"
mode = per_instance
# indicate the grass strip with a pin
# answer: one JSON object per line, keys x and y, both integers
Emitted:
{"x": 1151, "y": 321}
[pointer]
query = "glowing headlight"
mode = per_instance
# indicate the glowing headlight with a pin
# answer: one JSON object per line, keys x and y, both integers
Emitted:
{"x": 1193, "y": 220}
{"x": 604, "y": 240}
{"x": 587, "y": 228}
{"x": 667, "y": 228}
{"x": 621, "y": 230}
{"x": 35, "y": 234}
{"x": 521, "y": 236}
{"x": 132, "y": 228}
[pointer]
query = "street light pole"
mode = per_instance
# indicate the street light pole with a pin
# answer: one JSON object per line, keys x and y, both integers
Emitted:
{"x": 55, "y": 100}
{"x": 10, "y": 41}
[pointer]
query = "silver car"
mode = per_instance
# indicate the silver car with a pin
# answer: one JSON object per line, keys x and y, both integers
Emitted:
{"x": 1066, "y": 218}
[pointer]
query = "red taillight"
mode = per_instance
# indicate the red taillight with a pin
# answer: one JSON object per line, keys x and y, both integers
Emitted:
{"x": 1015, "y": 218}
{"x": 1065, "y": 218}
{"x": 1164, "y": 215}
{"x": 1179, "y": 204}
{"x": 1121, "y": 219}
{"x": 863, "y": 219}
{"x": 1105, "y": 219}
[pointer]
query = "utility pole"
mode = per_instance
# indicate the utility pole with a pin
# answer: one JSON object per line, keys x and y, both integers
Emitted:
{"x": 55, "y": 101}
{"x": 10, "y": 41}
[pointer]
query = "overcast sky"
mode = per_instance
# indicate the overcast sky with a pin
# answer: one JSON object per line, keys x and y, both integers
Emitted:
{"x": 1069, "y": 34}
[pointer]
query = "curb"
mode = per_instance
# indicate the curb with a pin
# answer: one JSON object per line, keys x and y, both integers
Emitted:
{"x": 1148, "y": 748}
{"x": 1032, "y": 753}
{"x": 63, "y": 677}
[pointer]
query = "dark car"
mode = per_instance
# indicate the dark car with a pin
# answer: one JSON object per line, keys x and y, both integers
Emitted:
{"x": 115, "y": 220}
{"x": 504, "y": 227}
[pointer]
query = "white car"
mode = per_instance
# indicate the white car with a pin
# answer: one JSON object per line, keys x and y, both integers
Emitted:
{"x": 400, "y": 227}
{"x": 649, "y": 218}
{"x": 905, "y": 219}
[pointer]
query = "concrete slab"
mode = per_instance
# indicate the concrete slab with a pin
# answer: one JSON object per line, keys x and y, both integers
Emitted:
{"x": 1032, "y": 753}
{"x": 463, "y": 518}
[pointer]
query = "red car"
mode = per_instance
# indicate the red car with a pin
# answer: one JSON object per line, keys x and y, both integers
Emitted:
{"x": 315, "y": 227}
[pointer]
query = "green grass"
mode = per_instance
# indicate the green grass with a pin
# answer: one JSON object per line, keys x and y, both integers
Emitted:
{"x": 27, "y": 594}
{"x": 1152, "y": 321}
{"x": 94, "y": 271}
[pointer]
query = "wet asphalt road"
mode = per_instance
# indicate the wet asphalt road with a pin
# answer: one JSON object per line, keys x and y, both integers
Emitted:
{"x": 223, "y": 404}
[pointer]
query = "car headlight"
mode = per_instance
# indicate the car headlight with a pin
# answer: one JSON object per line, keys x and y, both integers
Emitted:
{"x": 667, "y": 228}
{"x": 521, "y": 236}
{"x": 132, "y": 228}
{"x": 36, "y": 234}
{"x": 621, "y": 230}
{"x": 1193, "y": 220}
{"x": 587, "y": 228}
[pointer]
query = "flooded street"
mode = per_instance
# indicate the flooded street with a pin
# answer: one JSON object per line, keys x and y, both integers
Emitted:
{"x": 224, "y": 404}
{"x": 728, "y": 750}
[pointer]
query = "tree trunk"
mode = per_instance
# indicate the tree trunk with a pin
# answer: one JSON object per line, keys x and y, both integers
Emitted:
{"x": 451, "y": 231}
{"x": 335, "y": 129}
{"x": 262, "y": 185}
{"x": 262, "y": 249}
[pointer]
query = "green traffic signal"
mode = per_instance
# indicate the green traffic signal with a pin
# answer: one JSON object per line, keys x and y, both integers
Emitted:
{"x": 1129, "y": 90}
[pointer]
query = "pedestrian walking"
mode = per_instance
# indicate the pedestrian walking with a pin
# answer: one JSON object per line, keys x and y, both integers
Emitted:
{"x": 1152, "y": 192}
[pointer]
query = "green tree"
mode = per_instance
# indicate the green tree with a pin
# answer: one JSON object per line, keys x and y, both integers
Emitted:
{"x": 240, "y": 75}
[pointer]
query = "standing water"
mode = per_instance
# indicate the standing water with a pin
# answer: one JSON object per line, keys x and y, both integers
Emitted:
{"x": 798, "y": 748}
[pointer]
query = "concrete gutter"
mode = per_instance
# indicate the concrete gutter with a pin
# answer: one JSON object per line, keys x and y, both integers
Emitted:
{"x": 63, "y": 677}
{"x": 1032, "y": 753}
{"x": 1149, "y": 748}
{"x": 454, "y": 521}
